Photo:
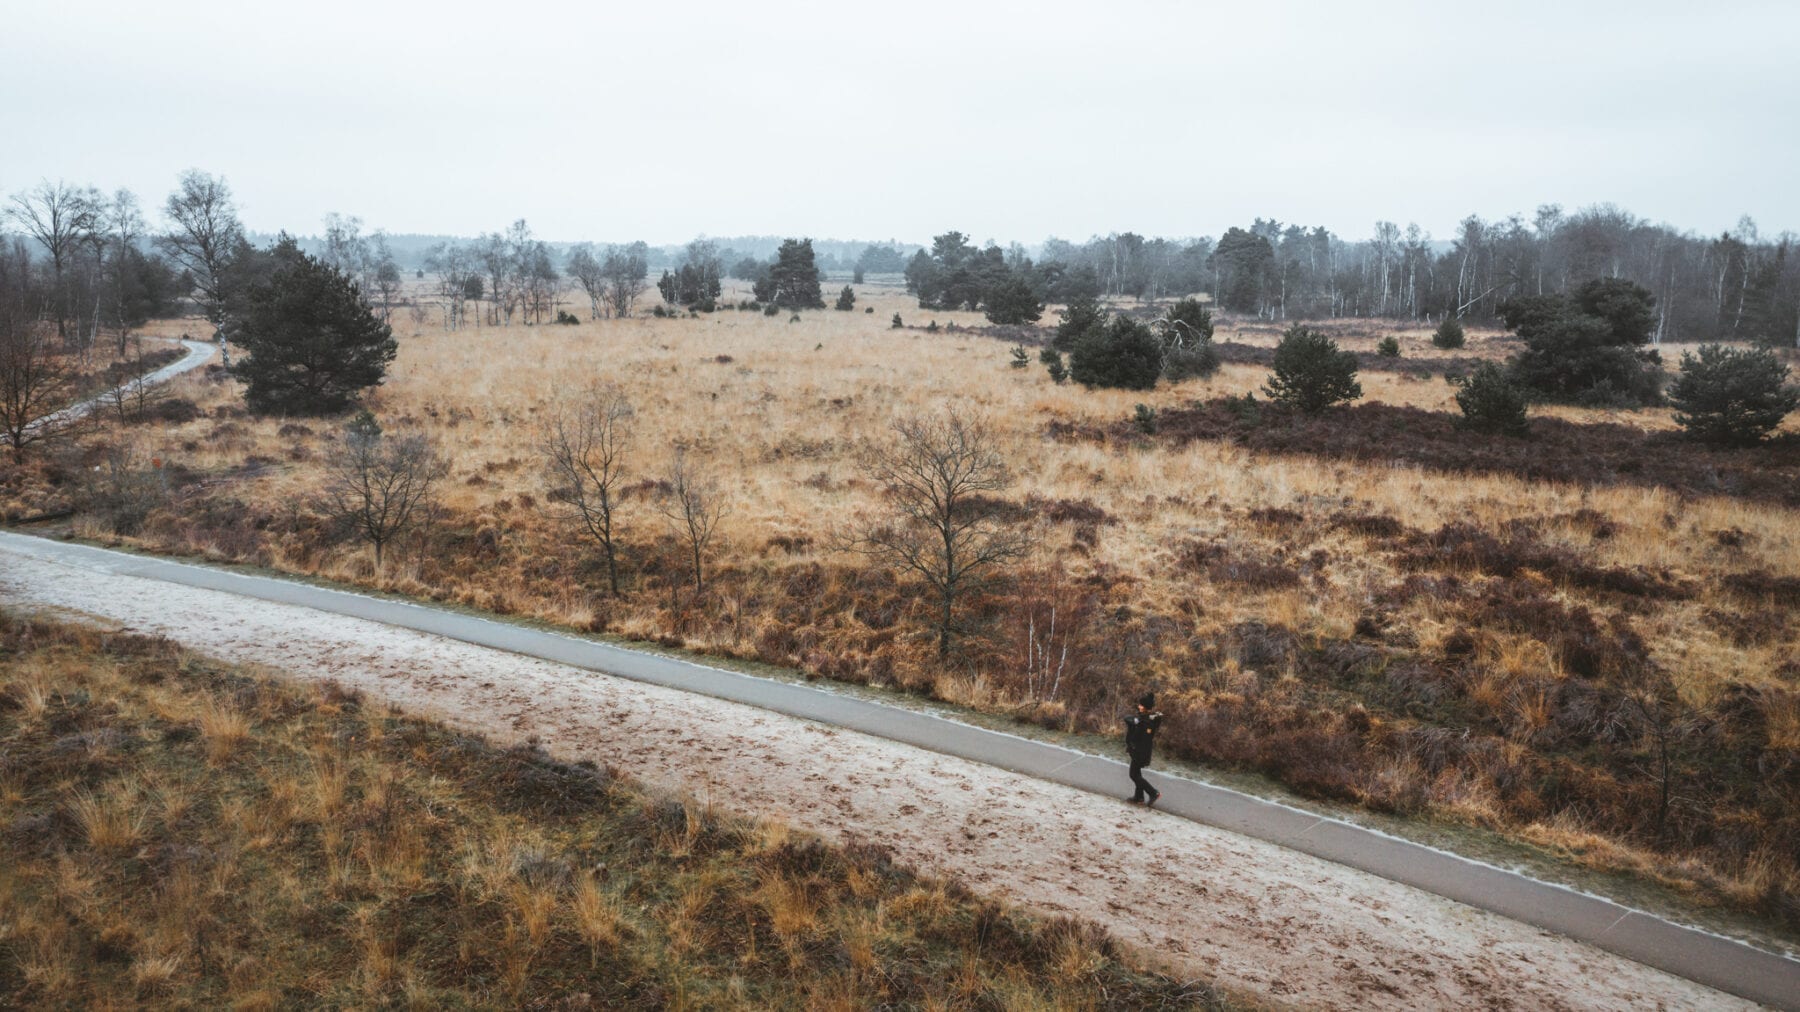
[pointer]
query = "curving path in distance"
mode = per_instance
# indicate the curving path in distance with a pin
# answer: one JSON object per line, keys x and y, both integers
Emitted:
{"x": 1718, "y": 962}
{"x": 198, "y": 354}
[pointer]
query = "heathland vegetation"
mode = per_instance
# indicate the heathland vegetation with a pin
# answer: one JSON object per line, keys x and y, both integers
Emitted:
{"x": 1455, "y": 560}
{"x": 180, "y": 833}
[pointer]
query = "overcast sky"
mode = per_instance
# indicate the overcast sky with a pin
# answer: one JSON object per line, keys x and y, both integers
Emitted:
{"x": 857, "y": 120}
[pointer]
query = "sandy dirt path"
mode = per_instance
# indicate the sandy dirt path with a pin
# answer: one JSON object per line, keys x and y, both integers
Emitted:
{"x": 1243, "y": 913}
{"x": 198, "y": 354}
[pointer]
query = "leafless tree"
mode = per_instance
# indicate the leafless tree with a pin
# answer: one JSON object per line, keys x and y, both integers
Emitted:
{"x": 586, "y": 270}
{"x": 132, "y": 398}
{"x": 384, "y": 274}
{"x": 124, "y": 226}
{"x": 624, "y": 270}
{"x": 539, "y": 282}
{"x": 1652, "y": 712}
{"x": 584, "y": 444}
{"x": 1057, "y": 613}
{"x": 491, "y": 253}
{"x": 943, "y": 521}
{"x": 346, "y": 248}
{"x": 380, "y": 486}
{"x": 124, "y": 488}
{"x": 693, "y": 505}
{"x": 35, "y": 381}
{"x": 63, "y": 219}
{"x": 204, "y": 237}
{"x": 455, "y": 267}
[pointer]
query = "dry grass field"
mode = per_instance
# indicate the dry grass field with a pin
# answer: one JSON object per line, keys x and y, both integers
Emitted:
{"x": 183, "y": 834}
{"x": 1584, "y": 640}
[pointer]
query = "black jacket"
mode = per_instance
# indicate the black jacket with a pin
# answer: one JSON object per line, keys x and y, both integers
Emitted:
{"x": 1140, "y": 734}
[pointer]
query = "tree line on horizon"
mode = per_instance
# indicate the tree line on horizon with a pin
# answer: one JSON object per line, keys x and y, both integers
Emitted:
{"x": 1738, "y": 286}
{"x": 109, "y": 271}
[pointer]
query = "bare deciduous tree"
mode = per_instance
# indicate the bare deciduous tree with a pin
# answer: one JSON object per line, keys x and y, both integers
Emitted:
{"x": 943, "y": 523}
{"x": 584, "y": 444}
{"x": 693, "y": 504}
{"x": 34, "y": 382}
{"x": 540, "y": 283}
{"x": 132, "y": 397}
{"x": 123, "y": 489}
{"x": 205, "y": 236}
{"x": 491, "y": 253}
{"x": 346, "y": 248}
{"x": 455, "y": 268}
{"x": 124, "y": 225}
{"x": 63, "y": 219}
{"x": 624, "y": 270}
{"x": 1056, "y": 613}
{"x": 379, "y": 485}
{"x": 1652, "y": 713}
{"x": 384, "y": 274}
{"x": 586, "y": 270}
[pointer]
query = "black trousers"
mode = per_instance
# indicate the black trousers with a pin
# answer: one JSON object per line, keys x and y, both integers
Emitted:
{"x": 1144, "y": 790}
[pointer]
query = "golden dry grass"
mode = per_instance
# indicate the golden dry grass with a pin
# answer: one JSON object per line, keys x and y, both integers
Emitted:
{"x": 423, "y": 868}
{"x": 783, "y": 420}
{"x": 780, "y": 413}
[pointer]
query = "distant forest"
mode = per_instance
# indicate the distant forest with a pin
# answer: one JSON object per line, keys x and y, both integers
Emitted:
{"x": 101, "y": 264}
{"x": 412, "y": 251}
{"x": 1734, "y": 286}
{"x": 1739, "y": 285}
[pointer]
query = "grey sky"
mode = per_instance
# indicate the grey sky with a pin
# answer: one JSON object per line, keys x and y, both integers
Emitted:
{"x": 1004, "y": 120}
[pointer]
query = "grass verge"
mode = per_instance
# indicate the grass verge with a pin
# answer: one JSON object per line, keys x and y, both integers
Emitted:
{"x": 181, "y": 832}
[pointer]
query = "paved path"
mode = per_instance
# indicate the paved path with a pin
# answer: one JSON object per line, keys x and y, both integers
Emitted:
{"x": 198, "y": 354}
{"x": 1698, "y": 955}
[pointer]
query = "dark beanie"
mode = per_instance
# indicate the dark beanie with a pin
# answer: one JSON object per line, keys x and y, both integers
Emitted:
{"x": 1147, "y": 700}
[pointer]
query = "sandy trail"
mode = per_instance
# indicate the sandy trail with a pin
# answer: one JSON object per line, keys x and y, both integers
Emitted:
{"x": 1244, "y": 913}
{"x": 198, "y": 354}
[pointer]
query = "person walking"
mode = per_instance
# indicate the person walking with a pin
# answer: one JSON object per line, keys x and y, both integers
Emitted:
{"x": 1140, "y": 740}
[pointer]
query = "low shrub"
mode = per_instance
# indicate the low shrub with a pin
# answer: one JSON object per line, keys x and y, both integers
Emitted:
{"x": 1449, "y": 334}
{"x": 1491, "y": 402}
{"x": 1732, "y": 396}
{"x": 1310, "y": 373}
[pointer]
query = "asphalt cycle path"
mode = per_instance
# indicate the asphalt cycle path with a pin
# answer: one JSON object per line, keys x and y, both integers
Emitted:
{"x": 1698, "y": 955}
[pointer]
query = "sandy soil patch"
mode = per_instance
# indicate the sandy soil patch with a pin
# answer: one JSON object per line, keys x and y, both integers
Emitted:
{"x": 1246, "y": 914}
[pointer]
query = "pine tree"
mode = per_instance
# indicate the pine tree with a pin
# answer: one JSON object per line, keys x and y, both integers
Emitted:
{"x": 796, "y": 276}
{"x": 1125, "y": 354}
{"x": 1011, "y": 300}
{"x": 1492, "y": 402}
{"x": 1187, "y": 332}
{"x": 1449, "y": 334}
{"x": 1732, "y": 396}
{"x": 1310, "y": 373}
{"x": 1583, "y": 348}
{"x": 1080, "y": 318}
{"x": 313, "y": 343}
{"x": 846, "y": 299}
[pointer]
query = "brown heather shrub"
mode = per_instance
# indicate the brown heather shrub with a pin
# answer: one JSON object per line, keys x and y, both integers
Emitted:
{"x": 1466, "y": 547}
{"x": 1237, "y": 566}
{"x": 1750, "y": 627}
{"x": 1760, "y": 585}
{"x": 352, "y": 858}
{"x": 1286, "y": 504}
{"x": 1080, "y": 512}
{"x": 1561, "y": 451}
{"x": 1580, "y": 641}
{"x": 1276, "y": 517}
{"x": 1369, "y": 525}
